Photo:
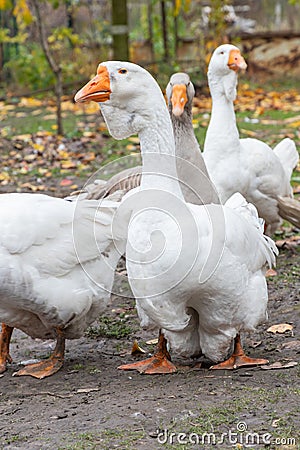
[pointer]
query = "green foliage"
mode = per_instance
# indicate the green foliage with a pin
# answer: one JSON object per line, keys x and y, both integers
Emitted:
{"x": 5, "y": 37}
{"x": 29, "y": 68}
{"x": 217, "y": 22}
{"x": 111, "y": 328}
{"x": 63, "y": 36}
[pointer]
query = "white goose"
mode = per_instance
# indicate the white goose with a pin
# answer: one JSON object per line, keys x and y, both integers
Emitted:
{"x": 194, "y": 179}
{"x": 248, "y": 166}
{"x": 57, "y": 262}
{"x": 197, "y": 272}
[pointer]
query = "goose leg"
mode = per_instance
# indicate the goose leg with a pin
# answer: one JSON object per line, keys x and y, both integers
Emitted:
{"x": 5, "y": 336}
{"x": 159, "y": 363}
{"x": 238, "y": 358}
{"x": 51, "y": 365}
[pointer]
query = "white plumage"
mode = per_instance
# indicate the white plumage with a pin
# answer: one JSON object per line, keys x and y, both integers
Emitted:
{"x": 248, "y": 166}
{"x": 197, "y": 272}
{"x": 57, "y": 263}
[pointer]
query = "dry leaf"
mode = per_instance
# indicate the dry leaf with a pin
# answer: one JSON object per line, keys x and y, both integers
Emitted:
{"x": 136, "y": 349}
{"x": 152, "y": 341}
{"x": 292, "y": 241}
{"x": 275, "y": 423}
{"x": 86, "y": 390}
{"x": 280, "y": 328}
{"x": 254, "y": 344}
{"x": 65, "y": 182}
{"x": 291, "y": 345}
{"x": 279, "y": 365}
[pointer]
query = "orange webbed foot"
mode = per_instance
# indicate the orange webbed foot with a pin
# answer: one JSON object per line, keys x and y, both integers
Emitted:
{"x": 160, "y": 363}
{"x": 51, "y": 365}
{"x": 238, "y": 358}
{"x": 41, "y": 369}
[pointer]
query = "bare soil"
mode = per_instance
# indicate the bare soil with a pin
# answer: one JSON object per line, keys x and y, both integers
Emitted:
{"x": 90, "y": 404}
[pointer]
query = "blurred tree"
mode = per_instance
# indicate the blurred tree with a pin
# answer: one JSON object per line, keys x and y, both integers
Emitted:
{"x": 54, "y": 66}
{"x": 14, "y": 17}
{"x": 164, "y": 30}
{"x": 119, "y": 30}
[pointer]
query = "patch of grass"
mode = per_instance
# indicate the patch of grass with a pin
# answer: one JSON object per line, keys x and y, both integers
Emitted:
{"x": 104, "y": 440}
{"x": 78, "y": 366}
{"x": 15, "y": 438}
{"x": 110, "y": 328}
{"x": 244, "y": 407}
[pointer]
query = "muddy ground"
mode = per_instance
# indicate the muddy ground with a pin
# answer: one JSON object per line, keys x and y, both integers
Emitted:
{"x": 90, "y": 404}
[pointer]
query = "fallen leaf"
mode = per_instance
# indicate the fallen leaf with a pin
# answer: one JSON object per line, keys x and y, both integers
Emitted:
{"x": 291, "y": 345}
{"x": 279, "y": 365}
{"x": 86, "y": 390}
{"x": 65, "y": 182}
{"x": 254, "y": 344}
{"x": 280, "y": 328}
{"x": 275, "y": 423}
{"x": 152, "y": 341}
{"x": 136, "y": 349}
{"x": 292, "y": 241}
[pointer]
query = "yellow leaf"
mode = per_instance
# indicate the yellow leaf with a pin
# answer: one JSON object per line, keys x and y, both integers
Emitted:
{"x": 89, "y": 134}
{"x": 30, "y": 102}
{"x": 248, "y": 132}
{"x": 63, "y": 154}
{"x": 38, "y": 147}
{"x": 5, "y": 4}
{"x": 280, "y": 328}
{"x": 4, "y": 176}
{"x": 134, "y": 139}
{"x": 23, "y": 137}
{"x": 136, "y": 349}
{"x": 22, "y": 12}
{"x": 68, "y": 165}
{"x": 295, "y": 124}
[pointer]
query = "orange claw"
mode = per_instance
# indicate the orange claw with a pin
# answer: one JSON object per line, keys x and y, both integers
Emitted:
{"x": 238, "y": 358}
{"x": 5, "y": 336}
{"x": 159, "y": 363}
{"x": 51, "y": 365}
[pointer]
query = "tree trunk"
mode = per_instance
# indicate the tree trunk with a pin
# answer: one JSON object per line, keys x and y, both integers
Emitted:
{"x": 176, "y": 38}
{"x": 120, "y": 30}
{"x": 164, "y": 30}
{"x": 56, "y": 69}
{"x": 150, "y": 29}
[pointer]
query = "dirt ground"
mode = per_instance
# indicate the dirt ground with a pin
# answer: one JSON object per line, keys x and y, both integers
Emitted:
{"x": 90, "y": 404}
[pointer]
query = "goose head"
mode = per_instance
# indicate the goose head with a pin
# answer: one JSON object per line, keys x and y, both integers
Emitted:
{"x": 180, "y": 93}
{"x": 223, "y": 67}
{"x": 127, "y": 95}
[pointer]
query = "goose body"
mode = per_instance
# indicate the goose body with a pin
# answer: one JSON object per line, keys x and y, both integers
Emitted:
{"x": 197, "y": 272}
{"x": 248, "y": 166}
{"x": 57, "y": 261}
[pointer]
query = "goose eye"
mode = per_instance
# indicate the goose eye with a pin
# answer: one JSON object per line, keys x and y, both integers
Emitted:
{"x": 122, "y": 71}
{"x": 221, "y": 53}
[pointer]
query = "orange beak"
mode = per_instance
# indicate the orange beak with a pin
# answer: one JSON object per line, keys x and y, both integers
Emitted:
{"x": 97, "y": 89}
{"x": 178, "y": 99}
{"x": 236, "y": 61}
